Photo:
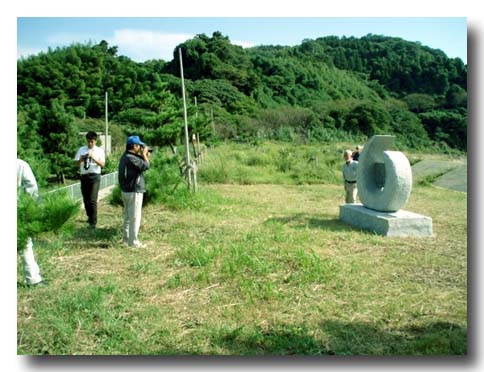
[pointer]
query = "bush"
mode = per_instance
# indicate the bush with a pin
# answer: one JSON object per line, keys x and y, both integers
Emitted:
{"x": 48, "y": 214}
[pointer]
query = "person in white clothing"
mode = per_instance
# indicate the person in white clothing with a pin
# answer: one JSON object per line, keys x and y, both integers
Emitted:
{"x": 349, "y": 176}
{"x": 26, "y": 182}
{"x": 90, "y": 160}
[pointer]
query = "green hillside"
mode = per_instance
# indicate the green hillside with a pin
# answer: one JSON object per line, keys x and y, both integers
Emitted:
{"x": 319, "y": 91}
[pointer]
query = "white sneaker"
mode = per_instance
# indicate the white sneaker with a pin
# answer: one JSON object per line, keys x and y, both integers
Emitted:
{"x": 138, "y": 244}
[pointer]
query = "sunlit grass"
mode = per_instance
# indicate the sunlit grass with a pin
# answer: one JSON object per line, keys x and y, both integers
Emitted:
{"x": 248, "y": 269}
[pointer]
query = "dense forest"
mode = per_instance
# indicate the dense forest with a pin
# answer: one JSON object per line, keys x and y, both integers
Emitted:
{"x": 322, "y": 90}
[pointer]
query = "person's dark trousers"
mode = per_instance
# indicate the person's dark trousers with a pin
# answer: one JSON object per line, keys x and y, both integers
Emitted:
{"x": 90, "y": 190}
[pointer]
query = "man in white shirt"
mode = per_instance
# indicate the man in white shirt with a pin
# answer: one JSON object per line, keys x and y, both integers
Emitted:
{"x": 90, "y": 159}
{"x": 349, "y": 176}
{"x": 26, "y": 181}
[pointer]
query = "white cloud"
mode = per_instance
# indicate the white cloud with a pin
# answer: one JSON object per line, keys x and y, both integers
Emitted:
{"x": 26, "y": 52}
{"x": 243, "y": 44}
{"x": 142, "y": 45}
{"x": 138, "y": 45}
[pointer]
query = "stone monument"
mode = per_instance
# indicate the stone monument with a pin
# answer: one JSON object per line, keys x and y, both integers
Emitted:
{"x": 384, "y": 182}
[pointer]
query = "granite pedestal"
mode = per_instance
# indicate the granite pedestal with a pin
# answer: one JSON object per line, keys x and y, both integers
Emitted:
{"x": 401, "y": 223}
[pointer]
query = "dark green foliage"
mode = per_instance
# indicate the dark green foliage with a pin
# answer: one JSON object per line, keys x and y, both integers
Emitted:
{"x": 59, "y": 140}
{"x": 419, "y": 102}
{"x": 29, "y": 146}
{"x": 407, "y": 127}
{"x": 49, "y": 214}
{"x": 368, "y": 119}
{"x": 215, "y": 58}
{"x": 163, "y": 179}
{"x": 116, "y": 198}
{"x": 449, "y": 127}
{"x": 456, "y": 97}
{"x": 401, "y": 66}
{"x": 220, "y": 92}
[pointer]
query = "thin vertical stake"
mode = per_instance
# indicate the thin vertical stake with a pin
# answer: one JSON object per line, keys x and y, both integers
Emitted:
{"x": 106, "y": 127}
{"x": 187, "y": 148}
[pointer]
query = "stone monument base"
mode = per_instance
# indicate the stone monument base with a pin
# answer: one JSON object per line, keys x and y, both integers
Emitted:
{"x": 400, "y": 223}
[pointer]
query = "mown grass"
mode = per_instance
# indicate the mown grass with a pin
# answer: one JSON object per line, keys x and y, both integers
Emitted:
{"x": 252, "y": 269}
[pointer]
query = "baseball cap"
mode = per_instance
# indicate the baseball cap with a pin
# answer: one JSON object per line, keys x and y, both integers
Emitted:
{"x": 134, "y": 140}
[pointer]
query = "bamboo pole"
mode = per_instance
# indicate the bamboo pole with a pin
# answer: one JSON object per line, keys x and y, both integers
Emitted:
{"x": 187, "y": 147}
{"x": 199, "y": 151}
{"x": 106, "y": 123}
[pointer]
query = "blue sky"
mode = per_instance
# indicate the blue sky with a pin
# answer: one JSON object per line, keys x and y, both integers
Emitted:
{"x": 155, "y": 38}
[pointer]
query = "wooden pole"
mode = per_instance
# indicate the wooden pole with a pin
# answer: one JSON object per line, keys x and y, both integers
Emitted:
{"x": 106, "y": 125}
{"x": 211, "y": 118}
{"x": 187, "y": 148}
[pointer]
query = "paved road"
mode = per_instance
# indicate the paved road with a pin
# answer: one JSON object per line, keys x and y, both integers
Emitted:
{"x": 456, "y": 179}
{"x": 454, "y": 173}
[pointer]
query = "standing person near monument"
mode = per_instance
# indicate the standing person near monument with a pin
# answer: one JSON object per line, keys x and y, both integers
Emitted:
{"x": 26, "y": 182}
{"x": 356, "y": 153}
{"x": 90, "y": 159}
{"x": 349, "y": 177}
{"x": 133, "y": 163}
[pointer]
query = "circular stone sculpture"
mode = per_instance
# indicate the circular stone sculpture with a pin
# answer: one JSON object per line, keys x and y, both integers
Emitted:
{"x": 384, "y": 178}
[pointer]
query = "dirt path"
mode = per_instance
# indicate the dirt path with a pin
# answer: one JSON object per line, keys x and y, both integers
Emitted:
{"x": 105, "y": 192}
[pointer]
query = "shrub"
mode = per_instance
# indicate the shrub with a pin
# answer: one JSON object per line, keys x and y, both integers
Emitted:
{"x": 48, "y": 214}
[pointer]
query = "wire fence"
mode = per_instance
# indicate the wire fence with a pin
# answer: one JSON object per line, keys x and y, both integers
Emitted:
{"x": 74, "y": 190}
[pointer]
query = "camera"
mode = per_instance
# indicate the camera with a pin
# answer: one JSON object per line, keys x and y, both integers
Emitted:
{"x": 150, "y": 150}
{"x": 87, "y": 161}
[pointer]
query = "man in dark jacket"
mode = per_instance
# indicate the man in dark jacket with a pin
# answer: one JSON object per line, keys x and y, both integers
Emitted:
{"x": 132, "y": 165}
{"x": 356, "y": 153}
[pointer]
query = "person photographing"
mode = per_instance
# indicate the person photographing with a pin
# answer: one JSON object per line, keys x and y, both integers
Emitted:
{"x": 133, "y": 164}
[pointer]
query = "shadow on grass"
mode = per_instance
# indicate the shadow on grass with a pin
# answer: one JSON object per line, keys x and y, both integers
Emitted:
{"x": 303, "y": 220}
{"x": 96, "y": 238}
{"x": 355, "y": 338}
{"x": 339, "y": 338}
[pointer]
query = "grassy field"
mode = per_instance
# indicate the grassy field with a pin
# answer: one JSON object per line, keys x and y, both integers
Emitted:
{"x": 253, "y": 267}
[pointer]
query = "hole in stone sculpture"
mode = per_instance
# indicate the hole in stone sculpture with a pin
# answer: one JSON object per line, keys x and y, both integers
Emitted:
{"x": 379, "y": 175}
